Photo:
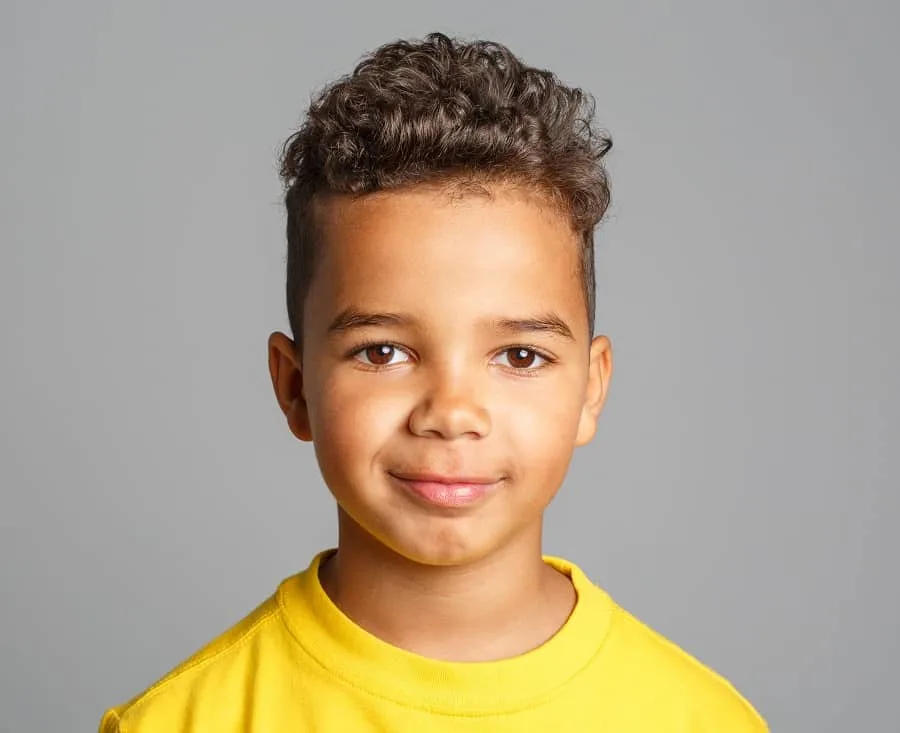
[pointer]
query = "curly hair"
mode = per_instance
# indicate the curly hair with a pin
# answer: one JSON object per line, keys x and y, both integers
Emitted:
{"x": 448, "y": 112}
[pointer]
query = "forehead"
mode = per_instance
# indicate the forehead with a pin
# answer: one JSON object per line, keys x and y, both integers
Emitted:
{"x": 447, "y": 256}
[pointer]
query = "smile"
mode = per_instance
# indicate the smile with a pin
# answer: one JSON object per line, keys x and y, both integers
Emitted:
{"x": 446, "y": 491}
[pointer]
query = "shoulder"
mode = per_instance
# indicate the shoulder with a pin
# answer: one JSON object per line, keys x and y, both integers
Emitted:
{"x": 197, "y": 688}
{"x": 669, "y": 680}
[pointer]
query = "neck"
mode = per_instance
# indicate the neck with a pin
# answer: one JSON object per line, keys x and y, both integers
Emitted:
{"x": 493, "y": 608}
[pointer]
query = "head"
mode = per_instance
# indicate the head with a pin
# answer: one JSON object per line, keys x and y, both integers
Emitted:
{"x": 441, "y": 205}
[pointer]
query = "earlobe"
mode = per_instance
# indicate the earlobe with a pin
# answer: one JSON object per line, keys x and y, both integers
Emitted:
{"x": 287, "y": 382}
{"x": 599, "y": 375}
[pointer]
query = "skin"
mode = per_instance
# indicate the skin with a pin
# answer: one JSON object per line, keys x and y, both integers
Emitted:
{"x": 449, "y": 390}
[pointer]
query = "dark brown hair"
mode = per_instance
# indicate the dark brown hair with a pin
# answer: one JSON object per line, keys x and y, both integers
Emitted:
{"x": 449, "y": 112}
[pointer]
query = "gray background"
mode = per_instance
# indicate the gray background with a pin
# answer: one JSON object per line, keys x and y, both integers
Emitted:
{"x": 741, "y": 495}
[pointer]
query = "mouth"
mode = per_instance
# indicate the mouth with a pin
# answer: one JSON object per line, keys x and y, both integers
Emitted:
{"x": 447, "y": 491}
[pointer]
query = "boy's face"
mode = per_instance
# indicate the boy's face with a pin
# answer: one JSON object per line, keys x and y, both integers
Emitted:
{"x": 447, "y": 372}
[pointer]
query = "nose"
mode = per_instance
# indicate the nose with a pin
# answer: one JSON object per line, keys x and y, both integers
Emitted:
{"x": 449, "y": 408}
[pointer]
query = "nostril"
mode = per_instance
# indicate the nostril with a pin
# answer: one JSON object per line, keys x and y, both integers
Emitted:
{"x": 449, "y": 418}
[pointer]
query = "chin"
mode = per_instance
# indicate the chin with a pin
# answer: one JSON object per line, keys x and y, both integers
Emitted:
{"x": 430, "y": 541}
{"x": 443, "y": 549}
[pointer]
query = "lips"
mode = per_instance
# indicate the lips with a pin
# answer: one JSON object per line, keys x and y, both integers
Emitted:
{"x": 447, "y": 491}
{"x": 436, "y": 478}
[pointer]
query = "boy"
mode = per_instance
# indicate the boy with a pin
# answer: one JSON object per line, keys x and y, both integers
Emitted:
{"x": 441, "y": 203}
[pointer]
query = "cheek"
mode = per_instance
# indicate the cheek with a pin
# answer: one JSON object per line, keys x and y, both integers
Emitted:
{"x": 542, "y": 428}
{"x": 349, "y": 418}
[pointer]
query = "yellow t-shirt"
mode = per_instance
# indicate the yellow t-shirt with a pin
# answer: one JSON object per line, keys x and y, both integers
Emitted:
{"x": 298, "y": 664}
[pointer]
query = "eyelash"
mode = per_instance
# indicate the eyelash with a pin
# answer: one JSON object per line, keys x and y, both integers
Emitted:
{"x": 525, "y": 371}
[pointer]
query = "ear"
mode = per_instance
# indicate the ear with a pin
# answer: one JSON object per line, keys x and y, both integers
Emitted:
{"x": 599, "y": 374}
{"x": 287, "y": 381}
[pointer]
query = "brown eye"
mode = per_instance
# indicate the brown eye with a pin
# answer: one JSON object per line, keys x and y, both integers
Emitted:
{"x": 521, "y": 358}
{"x": 380, "y": 354}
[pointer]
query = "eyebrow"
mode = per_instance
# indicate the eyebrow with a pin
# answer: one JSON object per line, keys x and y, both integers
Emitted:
{"x": 547, "y": 323}
{"x": 353, "y": 318}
